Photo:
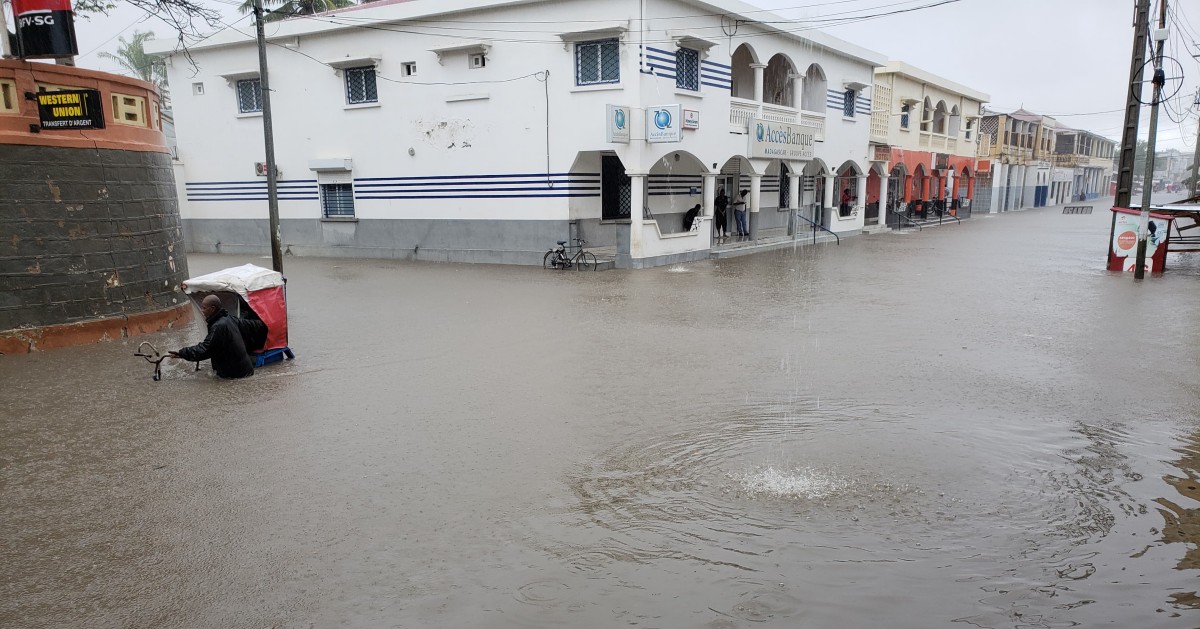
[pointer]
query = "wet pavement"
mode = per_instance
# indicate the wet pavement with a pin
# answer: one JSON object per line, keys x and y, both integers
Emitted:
{"x": 975, "y": 425}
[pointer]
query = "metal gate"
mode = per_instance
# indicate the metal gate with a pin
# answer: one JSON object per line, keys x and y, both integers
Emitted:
{"x": 616, "y": 194}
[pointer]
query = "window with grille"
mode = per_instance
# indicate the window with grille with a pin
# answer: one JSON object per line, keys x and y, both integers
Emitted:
{"x": 360, "y": 86}
{"x": 905, "y": 111}
{"x": 337, "y": 200}
{"x": 597, "y": 62}
{"x": 249, "y": 95}
{"x": 848, "y": 103}
{"x": 687, "y": 69}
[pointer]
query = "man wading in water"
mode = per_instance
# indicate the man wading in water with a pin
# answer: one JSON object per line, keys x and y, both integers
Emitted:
{"x": 224, "y": 345}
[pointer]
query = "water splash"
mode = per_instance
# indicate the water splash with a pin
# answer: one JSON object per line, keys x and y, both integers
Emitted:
{"x": 804, "y": 483}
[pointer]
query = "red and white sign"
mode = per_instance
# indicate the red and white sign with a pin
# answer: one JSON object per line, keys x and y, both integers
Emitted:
{"x": 691, "y": 119}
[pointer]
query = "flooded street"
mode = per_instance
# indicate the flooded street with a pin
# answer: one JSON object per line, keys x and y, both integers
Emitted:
{"x": 975, "y": 425}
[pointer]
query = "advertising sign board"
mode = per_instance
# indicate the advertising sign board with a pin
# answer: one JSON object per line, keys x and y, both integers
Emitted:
{"x": 71, "y": 109}
{"x": 781, "y": 140}
{"x": 45, "y": 28}
{"x": 618, "y": 124}
{"x": 664, "y": 124}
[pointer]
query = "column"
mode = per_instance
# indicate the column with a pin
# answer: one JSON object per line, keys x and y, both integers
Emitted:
{"x": 797, "y": 91}
{"x": 637, "y": 196}
{"x": 925, "y": 188}
{"x": 710, "y": 194}
{"x": 758, "y": 81}
{"x": 755, "y": 199}
{"x": 827, "y": 204}
{"x": 794, "y": 201}
{"x": 907, "y": 188}
{"x": 971, "y": 186}
{"x": 883, "y": 200}
{"x": 860, "y": 193}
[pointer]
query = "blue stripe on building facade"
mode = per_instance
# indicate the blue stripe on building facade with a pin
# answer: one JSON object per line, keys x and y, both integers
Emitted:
{"x": 487, "y": 186}
{"x": 662, "y": 63}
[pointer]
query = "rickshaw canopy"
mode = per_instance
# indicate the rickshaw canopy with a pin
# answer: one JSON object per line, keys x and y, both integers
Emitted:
{"x": 261, "y": 289}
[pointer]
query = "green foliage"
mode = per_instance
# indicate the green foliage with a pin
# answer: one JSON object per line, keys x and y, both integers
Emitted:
{"x": 132, "y": 57}
{"x": 274, "y": 10}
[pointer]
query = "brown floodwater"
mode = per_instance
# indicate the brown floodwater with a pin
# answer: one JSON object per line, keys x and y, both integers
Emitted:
{"x": 975, "y": 425}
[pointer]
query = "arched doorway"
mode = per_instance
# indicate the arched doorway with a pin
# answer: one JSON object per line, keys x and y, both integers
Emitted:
{"x": 897, "y": 193}
{"x": 742, "y": 75}
{"x": 919, "y": 192}
{"x": 779, "y": 82}
{"x": 812, "y": 183}
{"x": 845, "y": 189}
{"x": 875, "y": 178}
{"x": 814, "y": 96}
{"x": 674, "y": 185}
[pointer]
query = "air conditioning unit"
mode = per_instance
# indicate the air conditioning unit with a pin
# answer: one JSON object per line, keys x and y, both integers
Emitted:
{"x": 260, "y": 169}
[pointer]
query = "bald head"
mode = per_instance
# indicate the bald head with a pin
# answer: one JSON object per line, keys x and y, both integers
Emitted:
{"x": 210, "y": 305}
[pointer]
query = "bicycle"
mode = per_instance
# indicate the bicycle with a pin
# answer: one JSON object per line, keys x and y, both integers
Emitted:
{"x": 557, "y": 258}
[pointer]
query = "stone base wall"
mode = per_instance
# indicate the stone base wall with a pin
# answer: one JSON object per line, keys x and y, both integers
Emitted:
{"x": 87, "y": 234}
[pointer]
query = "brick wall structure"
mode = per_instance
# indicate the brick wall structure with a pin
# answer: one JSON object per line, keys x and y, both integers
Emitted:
{"x": 91, "y": 243}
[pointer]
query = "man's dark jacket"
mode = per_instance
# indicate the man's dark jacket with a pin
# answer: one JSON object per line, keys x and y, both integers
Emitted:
{"x": 224, "y": 346}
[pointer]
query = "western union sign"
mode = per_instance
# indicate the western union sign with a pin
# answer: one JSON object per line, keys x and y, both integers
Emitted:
{"x": 71, "y": 109}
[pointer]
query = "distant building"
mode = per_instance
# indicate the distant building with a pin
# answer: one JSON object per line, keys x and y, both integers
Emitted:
{"x": 923, "y": 139}
{"x": 1171, "y": 166}
{"x": 1082, "y": 165}
{"x": 1019, "y": 149}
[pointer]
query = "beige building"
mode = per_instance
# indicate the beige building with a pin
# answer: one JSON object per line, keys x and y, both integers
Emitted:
{"x": 923, "y": 137}
{"x": 1018, "y": 149}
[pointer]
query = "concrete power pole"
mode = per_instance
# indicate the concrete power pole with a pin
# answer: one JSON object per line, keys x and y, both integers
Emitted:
{"x": 1139, "y": 271}
{"x": 1141, "y": 24}
{"x": 269, "y": 140}
{"x": 1196, "y": 157}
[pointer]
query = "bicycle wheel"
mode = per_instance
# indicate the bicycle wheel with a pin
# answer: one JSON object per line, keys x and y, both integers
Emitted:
{"x": 548, "y": 259}
{"x": 586, "y": 261}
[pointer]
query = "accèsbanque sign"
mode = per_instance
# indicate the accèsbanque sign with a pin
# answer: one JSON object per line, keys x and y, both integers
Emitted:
{"x": 781, "y": 140}
{"x": 45, "y": 28}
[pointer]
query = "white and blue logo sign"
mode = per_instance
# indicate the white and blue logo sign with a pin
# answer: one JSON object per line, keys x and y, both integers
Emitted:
{"x": 662, "y": 119}
{"x": 781, "y": 140}
{"x": 663, "y": 124}
{"x": 617, "y": 130}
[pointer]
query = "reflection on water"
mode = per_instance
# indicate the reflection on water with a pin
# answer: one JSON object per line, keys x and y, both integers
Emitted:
{"x": 1181, "y": 525}
{"x": 965, "y": 426}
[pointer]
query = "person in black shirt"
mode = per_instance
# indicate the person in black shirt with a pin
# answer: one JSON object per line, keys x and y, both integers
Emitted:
{"x": 224, "y": 345}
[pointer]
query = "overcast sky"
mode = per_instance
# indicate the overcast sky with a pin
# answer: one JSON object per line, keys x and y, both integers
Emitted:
{"x": 1050, "y": 56}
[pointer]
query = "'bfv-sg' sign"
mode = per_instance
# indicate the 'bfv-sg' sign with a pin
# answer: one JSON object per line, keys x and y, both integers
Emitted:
{"x": 45, "y": 28}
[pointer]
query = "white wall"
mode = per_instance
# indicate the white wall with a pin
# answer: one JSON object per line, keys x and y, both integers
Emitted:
{"x": 493, "y": 136}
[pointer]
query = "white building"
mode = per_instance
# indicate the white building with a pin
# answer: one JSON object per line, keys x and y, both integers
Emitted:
{"x": 474, "y": 130}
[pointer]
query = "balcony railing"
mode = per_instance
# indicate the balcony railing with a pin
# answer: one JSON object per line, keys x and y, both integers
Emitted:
{"x": 742, "y": 110}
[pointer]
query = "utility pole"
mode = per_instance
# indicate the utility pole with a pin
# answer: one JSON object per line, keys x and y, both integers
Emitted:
{"x": 269, "y": 140}
{"x": 1196, "y": 157}
{"x": 1139, "y": 271}
{"x": 1133, "y": 105}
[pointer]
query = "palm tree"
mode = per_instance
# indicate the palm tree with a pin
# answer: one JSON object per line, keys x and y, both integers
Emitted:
{"x": 133, "y": 58}
{"x": 290, "y": 8}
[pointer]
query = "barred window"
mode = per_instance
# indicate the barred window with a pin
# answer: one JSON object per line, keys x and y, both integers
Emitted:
{"x": 249, "y": 95}
{"x": 687, "y": 69}
{"x": 848, "y": 103}
{"x": 360, "y": 85}
{"x": 337, "y": 200}
{"x": 597, "y": 62}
